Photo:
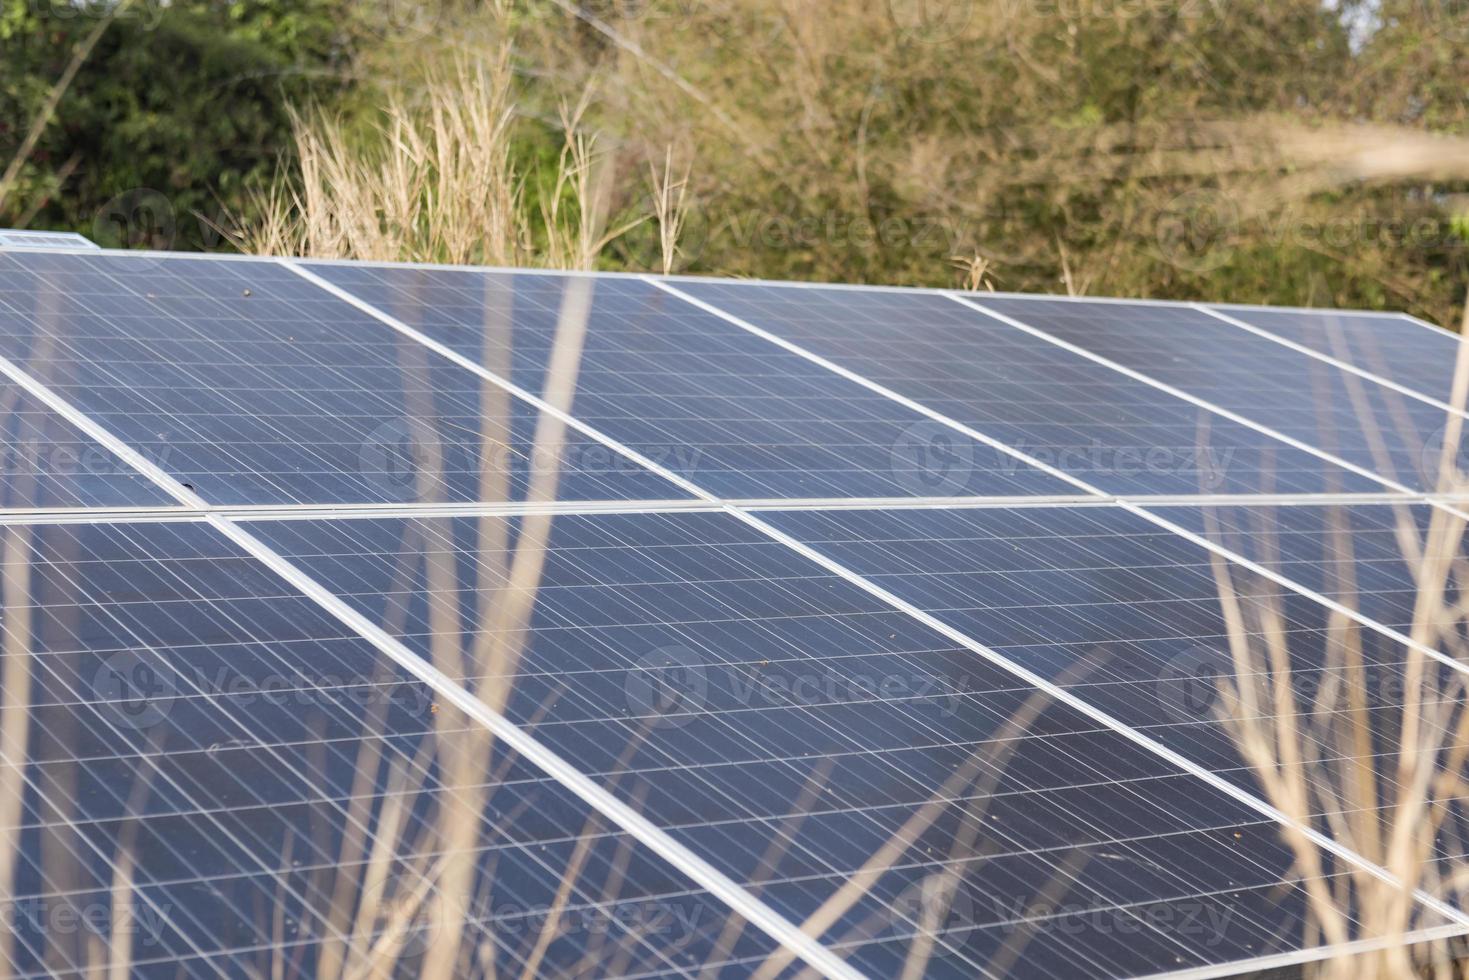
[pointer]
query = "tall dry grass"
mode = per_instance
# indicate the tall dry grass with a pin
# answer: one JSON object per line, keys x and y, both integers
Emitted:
{"x": 1386, "y": 776}
{"x": 438, "y": 179}
{"x": 436, "y": 184}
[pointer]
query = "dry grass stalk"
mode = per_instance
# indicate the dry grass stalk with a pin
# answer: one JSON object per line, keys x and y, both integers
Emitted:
{"x": 576, "y": 205}
{"x": 972, "y": 780}
{"x": 436, "y": 182}
{"x": 975, "y": 272}
{"x": 1387, "y": 780}
{"x": 670, "y": 201}
{"x": 15, "y": 718}
{"x": 446, "y": 889}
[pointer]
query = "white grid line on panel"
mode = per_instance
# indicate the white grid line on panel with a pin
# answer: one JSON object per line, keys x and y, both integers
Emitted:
{"x": 292, "y": 512}
{"x": 1400, "y": 388}
{"x": 289, "y": 512}
{"x": 1179, "y": 393}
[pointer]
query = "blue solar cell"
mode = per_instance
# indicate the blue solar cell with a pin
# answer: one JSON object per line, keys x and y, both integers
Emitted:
{"x": 1114, "y": 432}
{"x": 788, "y": 725}
{"x": 1365, "y": 556}
{"x": 728, "y": 409}
{"x": 1301, "y": 396}
{"x": 47, "y": 463}
{"x": 1417, "y": 356}
{"x": 1124, "y": 614}
{"x": 213, "y": 766}
{"x": 254, "y": 386}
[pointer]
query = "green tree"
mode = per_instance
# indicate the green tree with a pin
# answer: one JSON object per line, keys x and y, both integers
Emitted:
{"x": 178, "y": 108}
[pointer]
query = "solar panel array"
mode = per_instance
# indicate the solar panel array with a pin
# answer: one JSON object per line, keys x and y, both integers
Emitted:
{"x": 477, "y": 622}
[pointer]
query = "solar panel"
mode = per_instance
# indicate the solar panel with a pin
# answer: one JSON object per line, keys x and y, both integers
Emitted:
{"x": 16, "y": 238}
{"x": 254, "y": 386}
{"x": 1423, "y": 360}
{"x": 430, "y": 621}
{"x": 1119, "y": 434}
{"x": 232, "y": 754}
{"x": 1305, "y": 398}
{"x": 808, "y": 707}
{"x": 718, "y": 404}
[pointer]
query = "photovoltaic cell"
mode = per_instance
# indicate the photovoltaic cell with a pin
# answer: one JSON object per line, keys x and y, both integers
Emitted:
{"x": 49, "y": 464}
{"x": 789, "y": 726}
{"x": 220, "y": 774}
{"x": 254, "y": 386}
{"x": 1124, "y": 614}
{"x": 1301, "y": 396}
{"x": 1114, "y": 432}
{"x": 1365, "y": 556}
{"x": 721, "y": 406}
{"x": 1417, "y": 356}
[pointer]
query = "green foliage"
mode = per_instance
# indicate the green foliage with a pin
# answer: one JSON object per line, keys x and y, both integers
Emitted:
{"x": 181, "y": 106}
{"x": 1120, "y": 147}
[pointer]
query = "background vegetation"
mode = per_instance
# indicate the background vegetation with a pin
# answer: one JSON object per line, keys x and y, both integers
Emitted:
{"x": 1201, "y": 149}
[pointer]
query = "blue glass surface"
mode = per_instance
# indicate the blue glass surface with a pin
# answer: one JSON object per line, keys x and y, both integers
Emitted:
{"x": 1118, "y": 434}
{"x": 1390, "y": 346}
{"x": 1124, "y": 614}
{"x": 1301, "y": 396}
{"x": 1364, "y": 556}
{"x": 255, "y": 386}
{"x": 787, "y": 725}
{"x": 220, "y": 774}
{"x": 723, "y": 407}
{"x": 48, "y": 463}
